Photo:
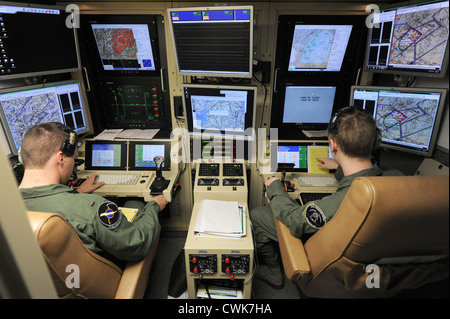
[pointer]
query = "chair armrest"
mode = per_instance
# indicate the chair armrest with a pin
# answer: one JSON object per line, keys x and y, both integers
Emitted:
{"x": 135, "y": 275}
{"x": 293, "y": 253}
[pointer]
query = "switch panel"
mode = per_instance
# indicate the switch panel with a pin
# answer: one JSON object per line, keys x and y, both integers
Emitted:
{"x": 235, "y": 264}
{"x": 203, "y": 264}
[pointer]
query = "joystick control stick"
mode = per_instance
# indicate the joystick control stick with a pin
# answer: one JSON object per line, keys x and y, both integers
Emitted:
{"x": 160, "y": 183}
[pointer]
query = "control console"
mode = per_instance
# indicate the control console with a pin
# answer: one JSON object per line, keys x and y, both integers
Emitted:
{"x": 221, "y": 181}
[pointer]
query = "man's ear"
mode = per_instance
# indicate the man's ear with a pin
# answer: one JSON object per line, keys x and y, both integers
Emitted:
{"x": 59, "y": 157}
{"x": 333, "y": 145}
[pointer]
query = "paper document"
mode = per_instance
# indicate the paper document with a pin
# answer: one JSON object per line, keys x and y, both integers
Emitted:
{"x": 313, "y": 153}
{"x": 112, "y": 134}
{"x": 138, "y": 134}
{"x": 220, "y": 219}
{"x": 215, "y": 292}
{"x": 108, "y": 135}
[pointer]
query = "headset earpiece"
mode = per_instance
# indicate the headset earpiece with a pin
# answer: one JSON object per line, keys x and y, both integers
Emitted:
{"x": 69, "y": 145}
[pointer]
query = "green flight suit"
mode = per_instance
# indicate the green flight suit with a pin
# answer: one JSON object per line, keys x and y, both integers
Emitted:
{"x": 306, "y": 219}
{"x": 98, "y": 222}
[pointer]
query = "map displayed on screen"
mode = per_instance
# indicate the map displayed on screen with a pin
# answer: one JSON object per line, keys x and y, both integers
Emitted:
{"x": 224, "y": 113}
{"x": 124, "y": 46}
{"x": 407, "y": 119}
{"x": 316, "y": 47}
{"x": 27, "y": 111}
{"x": 419, "y": 37}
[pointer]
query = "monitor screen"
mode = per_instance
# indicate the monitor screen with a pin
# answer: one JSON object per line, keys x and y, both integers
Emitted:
{"x": 226, "y": 110}
{"x": 294, "y": 154}
{"x": 308, "y": 104}
{"x": 408, "y": 118}
{"x": 35, "y": 40}
{"x": 104, "y": 155}
{"x": 216, "y": 41}
{"x": 142, "y": 155}
{"x": 124, "y": 46}
{"x": 410, "y": 39}
{"x": 24, "y": 107}
{"x": 133, "y": 103}
{"x": 319, "y": 47}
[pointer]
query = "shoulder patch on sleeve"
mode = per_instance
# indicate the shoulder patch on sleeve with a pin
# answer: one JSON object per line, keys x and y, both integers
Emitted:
{"x": 109, "y": 215}
{"x": 314, "y": 216}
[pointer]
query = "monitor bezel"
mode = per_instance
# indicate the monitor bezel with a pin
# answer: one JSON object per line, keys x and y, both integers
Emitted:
{"x": 88, "y": 156}
{"x": 224, "y": 134}
{"x": 405, "y": 70}
{"x": 438, "y": 118}
{"x": 44, "y": 72}
{"x": 4, "y": 122}
{"x": 213, "y": 73}
{"x": 132, "y": 155}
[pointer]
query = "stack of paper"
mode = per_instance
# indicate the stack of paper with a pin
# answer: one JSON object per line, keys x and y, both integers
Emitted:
{"x": 220, "y": 219}
{"x": 112, "y": 134}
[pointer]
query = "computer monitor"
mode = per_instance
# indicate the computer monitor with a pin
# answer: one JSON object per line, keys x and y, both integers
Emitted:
{"x": 135, "y": 103}
{"x": 410, "y": 39}
{"x": 26, "y": 106}
{"x": 123, "y": 44}
{"x": 215, "y": 41}
{"x": 105, "y": 155}
{"x": 318, "y": 47}
{"x": 408, "y": 118}
{"x": 290, "y": 157}
{"x": 35, "y": 40}
{"x": 142, "y": 153}
{"x": 220, "y": 109}
{"x": 308, "y": 105}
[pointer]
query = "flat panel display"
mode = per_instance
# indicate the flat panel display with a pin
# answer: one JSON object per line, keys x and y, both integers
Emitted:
{"x": 308, "y": 104}
{"x": 24, "y": 107}
{"x": 319, "y": 47}
{"x": 216, "y": 41}
{"x": 142, "y": 154}
{"x": 410, "y": 39}
{"x": 35, "y": 40}
{"x": 408, "y": 118}
{"x": 105, "y": 155}
{"x": 220, "y": 109}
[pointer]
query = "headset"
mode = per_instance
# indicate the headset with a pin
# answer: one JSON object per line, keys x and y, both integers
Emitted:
{"x": 333, "y": 126}
{"x": 69, "y": 145}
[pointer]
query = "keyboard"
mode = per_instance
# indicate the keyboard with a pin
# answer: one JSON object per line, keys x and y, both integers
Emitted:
{"x": 317, "y": 181}
{"x": 117, "y": 178}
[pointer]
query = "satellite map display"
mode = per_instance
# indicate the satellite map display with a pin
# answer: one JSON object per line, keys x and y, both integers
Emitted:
{"x": 124, "y": 46}
{"x": 420, "y": 37}
{"x": 406, "y": 119}
{"x": 220, "y": 113}
{"x": 313, "y": 48}
{"x": 116, "y": 43}
{"x": 25, "y": 112}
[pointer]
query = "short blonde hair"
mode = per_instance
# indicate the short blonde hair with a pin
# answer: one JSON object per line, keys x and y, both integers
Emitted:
{"x": 40, "y": 143}
{"x": 357, "y": 134}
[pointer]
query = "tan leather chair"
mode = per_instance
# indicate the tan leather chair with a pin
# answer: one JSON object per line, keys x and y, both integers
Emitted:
{"x": 99, "y": 277}
{"x": 400, "y": 224}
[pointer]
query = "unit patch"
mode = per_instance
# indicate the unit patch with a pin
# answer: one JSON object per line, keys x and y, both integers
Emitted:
{"x": 314, "y": 216}
{"x": 109, "y": 215}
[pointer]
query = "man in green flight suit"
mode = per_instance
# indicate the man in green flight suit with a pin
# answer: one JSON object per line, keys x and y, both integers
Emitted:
{"x": 48, "y": 154}
{"x": 352, "y": 136}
